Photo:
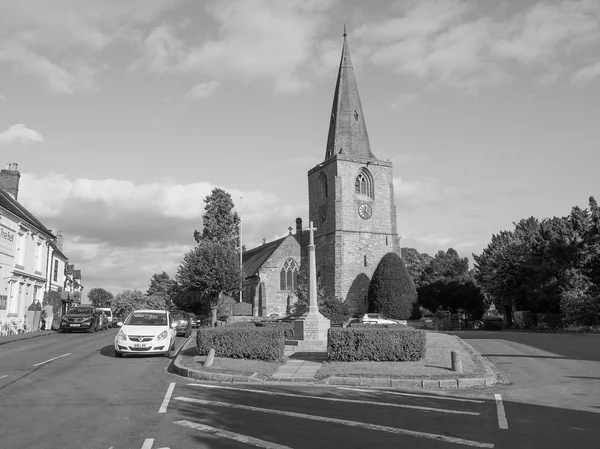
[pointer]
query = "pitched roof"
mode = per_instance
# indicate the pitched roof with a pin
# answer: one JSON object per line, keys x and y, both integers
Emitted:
{"x": 347, "y": 128}
{"x": 58, "y": 251}
{"x": 253, "y": 259}
{"x": 16, "y": 208}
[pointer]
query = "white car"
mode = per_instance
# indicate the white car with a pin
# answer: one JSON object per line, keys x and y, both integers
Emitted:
{"x": 108, "y": 312}
{"x": 376, "y": 318}
{"x": 146, "y": 332}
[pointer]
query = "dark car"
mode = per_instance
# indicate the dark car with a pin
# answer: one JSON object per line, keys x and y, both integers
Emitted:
{"x": 184, "y": 324}
{"x": 80, "y": 318}
{"x": 289, "y": 318}
{"x": 194, "y": 320}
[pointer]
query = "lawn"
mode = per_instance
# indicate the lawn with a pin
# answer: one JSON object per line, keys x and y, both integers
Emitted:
{"x": 435, "y": 364}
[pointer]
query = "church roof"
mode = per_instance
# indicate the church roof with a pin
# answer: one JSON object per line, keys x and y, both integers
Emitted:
{"x": 347, "y": 128}
{"x": 253, "y": 259}
{"x": 10, "y": 204}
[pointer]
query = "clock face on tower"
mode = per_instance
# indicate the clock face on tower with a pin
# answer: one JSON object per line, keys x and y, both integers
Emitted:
{"x": 365, "y": 211}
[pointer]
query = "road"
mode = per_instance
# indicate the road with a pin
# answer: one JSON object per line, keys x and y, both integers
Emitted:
{"x": 87, "y": 398}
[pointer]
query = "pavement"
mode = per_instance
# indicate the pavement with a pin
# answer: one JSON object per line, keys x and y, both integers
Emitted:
{"x": 302, "y": 367}
{"x": 4, "y": 339}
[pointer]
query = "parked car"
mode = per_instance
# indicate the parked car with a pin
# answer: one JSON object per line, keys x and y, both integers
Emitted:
{"x": 289, "y": 318}
{"x": 376, "y": 318}
{"x": 194, "y": 320}
{"x": 108, "y": 312}
{"x": 146, "y": 332}
{"x": 79, "y": 318}
{"x": 184, "y": 325}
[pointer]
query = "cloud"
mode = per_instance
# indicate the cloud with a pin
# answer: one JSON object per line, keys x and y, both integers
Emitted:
{"x": 587, "y": 74}
{"x": 204, "y": 90}
{"x": 20, "y": 133}
{"x": 416, "y": 193}
{"x": 454, "y": 44}
{"x": 120, "y": 233}
{"x": 258, "y": 41}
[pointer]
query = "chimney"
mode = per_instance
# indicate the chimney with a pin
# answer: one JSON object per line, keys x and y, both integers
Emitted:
{"x": 9, "y": 179}
{"x": 59, "y": 241}
{"x": 70, "y": 269}
{"x": 77, "y": 274}
{"x": 299, "y": 229}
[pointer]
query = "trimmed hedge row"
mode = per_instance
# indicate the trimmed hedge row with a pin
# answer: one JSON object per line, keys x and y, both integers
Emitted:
{"x": 262, "y": 343}
{"x": 288, "y": 328}
{"x": 375, "y": 343}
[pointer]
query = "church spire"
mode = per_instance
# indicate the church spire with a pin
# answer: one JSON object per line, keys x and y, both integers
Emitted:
{"x": 347, "y": 129}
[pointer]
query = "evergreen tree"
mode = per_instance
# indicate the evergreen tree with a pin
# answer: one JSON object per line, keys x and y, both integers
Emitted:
{"x": 100, "y": 297}
{"x": 221, "y": 224}
{"x": 162, "y": 286}
{"x": 392, "y": 291}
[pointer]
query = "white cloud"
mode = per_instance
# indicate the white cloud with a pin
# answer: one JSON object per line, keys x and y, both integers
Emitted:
{"x": 587, "y": 74}
{"x": 416, "y": 193}
{"x": 454, "y": 44}
{"x": 204, "y": 90}
{"x": 20, "y": 133}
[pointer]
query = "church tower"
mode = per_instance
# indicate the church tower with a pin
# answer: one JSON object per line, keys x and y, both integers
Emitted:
{"x": 351, "y": 199}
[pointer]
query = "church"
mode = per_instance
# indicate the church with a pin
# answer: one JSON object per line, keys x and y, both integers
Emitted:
{"x": 351, "y": 203}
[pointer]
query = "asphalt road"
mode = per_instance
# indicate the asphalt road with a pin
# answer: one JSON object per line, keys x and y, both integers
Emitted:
{"x": 87, "y": 398}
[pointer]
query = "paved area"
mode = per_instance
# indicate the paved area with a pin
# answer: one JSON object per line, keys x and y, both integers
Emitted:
{"x": 4, "y": 339}
{"x": 301, "y": 366}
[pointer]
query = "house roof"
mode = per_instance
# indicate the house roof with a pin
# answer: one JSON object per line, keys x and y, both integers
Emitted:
{"x": 58, "y": 251}
{"x": 16, "y": 208}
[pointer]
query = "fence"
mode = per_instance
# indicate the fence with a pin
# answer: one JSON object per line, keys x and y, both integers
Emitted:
{"x": 14, "y": 326}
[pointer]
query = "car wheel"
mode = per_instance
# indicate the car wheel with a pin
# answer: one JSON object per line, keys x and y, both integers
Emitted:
{"x": 167, "y": 353}
{"x": 118, "y": 353}
{"x": 188, "y": 333}
{"x": 91, "y": 330}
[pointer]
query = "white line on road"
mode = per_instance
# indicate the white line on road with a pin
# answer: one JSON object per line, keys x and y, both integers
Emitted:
{"x": 165, "y": 402}
{"x": 64, "y": 355}
{"x": 353, "y": 401}
{"x": 231, "y": 435}
{"x": 148, "y": 442}
{"x": 433, "y": 396}
{"x": 394, "y": 430}
{"x": 502, "y": 422}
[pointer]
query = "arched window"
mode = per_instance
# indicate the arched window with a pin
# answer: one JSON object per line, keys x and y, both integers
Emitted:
{"x": 364, "y": 183}
{"x": 288, "y": 276}
{"x": 323, "y": 181}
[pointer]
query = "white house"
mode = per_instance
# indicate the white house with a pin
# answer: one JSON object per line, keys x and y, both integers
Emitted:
{"x": 24, "y": 251}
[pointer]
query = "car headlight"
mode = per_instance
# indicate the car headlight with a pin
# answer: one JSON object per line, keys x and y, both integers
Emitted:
{"x": 121, "y": 335}
{"x": 162, "y": 335}
{"x": 183, "y": 322}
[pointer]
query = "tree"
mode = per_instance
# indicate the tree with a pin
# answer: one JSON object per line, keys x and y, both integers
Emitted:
{"x": 392, "y": 291}
{"x": 211, "y": 269}
{"x": 415, "y": 263}
{"x": 99, "y": 297}
{"x": 128, "y": 301}
{"x": 221, "y": 224}
{"x": 162, "y": 286}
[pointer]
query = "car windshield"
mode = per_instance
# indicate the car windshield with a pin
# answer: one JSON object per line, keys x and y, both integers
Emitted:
{"x": 81, "y": 310}
{"x": 146, "y": 319}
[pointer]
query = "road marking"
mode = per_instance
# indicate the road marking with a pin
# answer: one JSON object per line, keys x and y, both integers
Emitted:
{"x": 502, "y": 422}
{"x": 353, "y": 401}
{"x": 394, "y": 430}
{"x": 433, "y": 396}
{"x": 231, "y": 435}
{"x": 64, "y": 355}
{"x": 165, "y": 402}
{"x": 2, "y": 377}
{"x": 148, "y": 442}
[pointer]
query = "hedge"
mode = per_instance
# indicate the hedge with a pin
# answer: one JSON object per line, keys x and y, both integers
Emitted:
{"x": 375, "y": 343}
{"x": 288, "y": 328}
{"x": 263, "y": 343}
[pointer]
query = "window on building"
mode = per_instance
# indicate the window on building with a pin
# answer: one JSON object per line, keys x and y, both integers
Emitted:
{"x": 55, "y": 270}
{"x": 288, "y": 276}
{"x": 21, "y": 249}
{"x": 323, "y": 186}
{"x": 3, "y": 300}
{"x": 364, "y": 184}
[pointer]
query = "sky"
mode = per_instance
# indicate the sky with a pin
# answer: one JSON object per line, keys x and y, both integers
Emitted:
{"x": 124, "y": 115}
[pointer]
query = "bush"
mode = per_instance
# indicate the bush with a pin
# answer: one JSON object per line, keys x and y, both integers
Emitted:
{"x": 580, "y": 307}
{"x": 375, "y": 343}
{"x": 242, "y": 324}
{"x": 334, "y": 309}
{"x": 392, "y": 291}
{"x": 522, "y": 319}
{"x": 262, "y": 343}
{"x": 288, "y": 328}
{"x": 492, "y": 323}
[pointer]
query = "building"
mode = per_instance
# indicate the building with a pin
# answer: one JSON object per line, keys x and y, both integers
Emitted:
{"x": 61, "y": 276}
{"x": 351, "y": 204}
{"x": 24, "y": 248}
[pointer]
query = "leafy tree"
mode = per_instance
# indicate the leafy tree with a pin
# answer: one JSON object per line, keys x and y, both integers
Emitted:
{"x": 392, "y": 291}
{"x": 212, "y": 270}
{"x": 128, "y": 301}
{"x": 100, "y": 297}
{"x": 415, "y": 263}
{"x": 190, "y": 301}
{"x": 221, "y": 224}
{"x": 162, "y": 286}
